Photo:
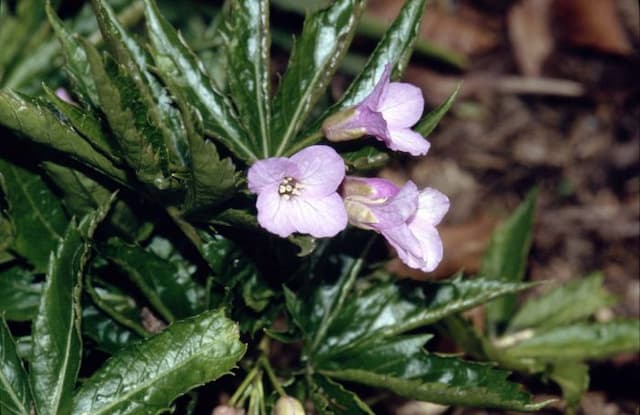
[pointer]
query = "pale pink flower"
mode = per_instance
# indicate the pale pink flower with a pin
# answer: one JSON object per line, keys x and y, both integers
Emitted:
{"x": 388, "y": 114}
{"x": 298, "y": 194}
{"x": 406, "y": 217}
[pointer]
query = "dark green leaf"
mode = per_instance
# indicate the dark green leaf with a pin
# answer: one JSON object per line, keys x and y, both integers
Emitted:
{"x": 75, "y": 57}
{"x": 430, "y": 121}
{"x": 579, "y": 341}
{"x": 315, "y": 57}
{"x": 20, "y": 294}
{"x": 37, "y": 214}
{"x": 506, "y": 258}
{"x": 248, "y": 42}
{"x": 41, "y": 126}
{"x": 366, "y": 158}
{"x": 57, "y": 344}
{"x": 148, "y": 376}
{"x": 108, "y": 335}
{"x": 573, "y": 378}
{"x": 331, "y": 398}
{"x": 402, "y": 366}
{"x": 174, "y": 58}
{"x": 173, "y": 292}
{"x": 570, "y": 302}
{"x": 15, "y": 397}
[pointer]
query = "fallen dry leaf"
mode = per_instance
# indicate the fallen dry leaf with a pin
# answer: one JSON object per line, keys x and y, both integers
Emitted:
{"x": 530, "y": 34}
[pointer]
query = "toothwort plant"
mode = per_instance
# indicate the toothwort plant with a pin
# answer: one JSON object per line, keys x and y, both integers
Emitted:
{"x": 169, "y": 217}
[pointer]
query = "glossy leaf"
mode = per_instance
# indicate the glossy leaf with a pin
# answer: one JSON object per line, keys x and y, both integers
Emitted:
{"x": 36, "y": 212}
{"x": 174, "y": 58}
{"x": 315, "y": 57}
{"x": 331, "y": 398}
{"x": 248, "y": 41}
{"x": 75, "y": 58}
{"x": 20, "y": 294}
{"x": 148, "y": 376}
{"x": 430, "y": 121}
{"x": 366, "y": 158}
{"x": 107, "y": 334}
{"x": 15, "y": 396}
{"x": 174, "y": 294}
{"x": 41, "y": 126}
{"x": 506, "y": 258}
{"x": 573, "y": 378}
{"x": 57, "y": 344}
{"x": 402, "y": 366}
{"x": 579, "y": 341}
{"x": 570, "y": 302}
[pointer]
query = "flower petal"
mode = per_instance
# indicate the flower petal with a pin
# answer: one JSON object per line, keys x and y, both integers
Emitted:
{"x": 398, "y": 209}
{"x": 373, "y": 100}
{"x": 267, "y": 172}
{"x": 430, "y": 243}
{"x": 322, "y": 217}
{"x": 274, "y": 212}
{"x": 404, "y": 139}
{"x": 405, "y": 243}
{"x": 402, "y": 105}
{"x": 321, "y": 170}
{"x": 432, "y": 206}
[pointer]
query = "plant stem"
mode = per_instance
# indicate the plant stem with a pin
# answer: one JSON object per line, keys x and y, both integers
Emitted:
{"x": 243, "y": 386}
{"x": 272, "y": 376}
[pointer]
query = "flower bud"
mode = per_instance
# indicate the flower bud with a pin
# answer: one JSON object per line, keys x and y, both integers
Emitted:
{"x": 287, "y": 405}
{"x": 227, "y": 410}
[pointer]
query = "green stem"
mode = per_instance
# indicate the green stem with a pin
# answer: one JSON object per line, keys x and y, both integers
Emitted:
{"x": 272, "y": 376}
{"x": 244, "y": 385}
{"x": 305, "y": 142}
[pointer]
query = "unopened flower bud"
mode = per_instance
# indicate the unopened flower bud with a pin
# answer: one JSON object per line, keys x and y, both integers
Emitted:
{"x": 287, "y": 405}
{"x": 227, "y": 410}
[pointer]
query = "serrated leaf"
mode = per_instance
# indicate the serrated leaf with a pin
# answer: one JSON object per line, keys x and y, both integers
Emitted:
{"x": 565, "y": 304}
{"x": 506, "y": 258}
{"x": 15, "y": 397}
{"x": 248, "y": 41}
{"x": 148, "y": 376}
{"x": 430, "y": 121}
{"x": 174, "y": 58}
{"x": 57, "y": 343}
{"x": 20, "y": 294}
{"x": 331, "y": 398}
{"x": 326, "y": 35}
{"x": 36, "y": 212}
{"x": 41, "y": 126}
{"x": 573, "y": 378}
{"x": 402, "y": 366}
{"x": 173, "y": 294}
{"x": 579, "y": 341}
{"x": 75, "y": 57}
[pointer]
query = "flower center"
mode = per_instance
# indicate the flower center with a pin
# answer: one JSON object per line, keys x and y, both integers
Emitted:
{"x": 289, "y": 187}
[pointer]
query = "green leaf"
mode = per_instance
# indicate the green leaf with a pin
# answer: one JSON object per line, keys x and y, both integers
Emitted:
{"x": 41, "y": 126}
{"x": 573, "y": 378}
{"x": 20, "y": 294}
{"x": 315, "y": 57}
{"x": 15, "y": 397}
{"x": 506, "y": 258}
{"x": 331, "y": 398}
{"x": 108, "y": 335}
{"x": 174, "y": 58}
{"x": 570, "y": 302}
{"x": 37, "y": 214}
{"x": 146, "y": 377}
{"x": 248, "y": 42}
{"x": 57, "y": 344}
{"x": 174, "y": 294}
{"x": 430, "y": 121}
{"x": 579, "y": 341}
{"x": 366, "y": 158}
{"x": 75, "y": 57}
{"x": 402, "y": 366}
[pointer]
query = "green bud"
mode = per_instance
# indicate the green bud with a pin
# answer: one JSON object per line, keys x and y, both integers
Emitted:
{"x": 287, "y": 405}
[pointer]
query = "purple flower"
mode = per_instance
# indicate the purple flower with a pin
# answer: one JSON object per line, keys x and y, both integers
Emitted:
{"x": 298, "y": 194}
{"x": 388, "y": 114}
{"x": 406, "y": 217}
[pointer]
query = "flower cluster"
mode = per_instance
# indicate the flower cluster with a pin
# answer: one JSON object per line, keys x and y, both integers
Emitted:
{"x": 310, "y": 194}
